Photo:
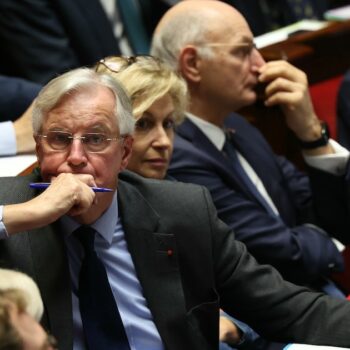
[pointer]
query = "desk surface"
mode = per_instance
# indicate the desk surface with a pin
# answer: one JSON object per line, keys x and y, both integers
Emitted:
{"x": 17, "y": 165}
{"x": 310, "y": 347}
{"x": 321, "y": 54}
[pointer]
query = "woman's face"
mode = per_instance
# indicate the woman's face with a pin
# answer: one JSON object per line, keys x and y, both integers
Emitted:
{"x": 153, "y": 140}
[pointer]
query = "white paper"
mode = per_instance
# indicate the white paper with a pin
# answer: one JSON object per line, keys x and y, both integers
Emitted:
{"x": 283, "y": 33}
{"x": 310, "y": 347}
{"x": 340, "y": 13}
{"x": 12, "y": 166}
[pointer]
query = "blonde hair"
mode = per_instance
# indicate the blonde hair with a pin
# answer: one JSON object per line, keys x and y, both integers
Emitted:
{"x": 15, "y": 280}
{"x": 9, "y": 337}
{"x": 146, "y": 79}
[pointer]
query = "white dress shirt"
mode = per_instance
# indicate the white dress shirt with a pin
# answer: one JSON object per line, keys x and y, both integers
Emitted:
{"x": 8, "y": 146}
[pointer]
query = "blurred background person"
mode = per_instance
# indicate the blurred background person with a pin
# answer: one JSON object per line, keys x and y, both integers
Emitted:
{"x": 45, "y": 38}
{"x": 16, "y": 97}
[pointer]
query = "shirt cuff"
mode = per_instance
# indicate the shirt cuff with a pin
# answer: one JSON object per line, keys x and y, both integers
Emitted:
{"x": 334, "y": 163}
{"x": 340, "y": 246}
{"x": 3, "y": 232}
{"x": 8, "y": 145}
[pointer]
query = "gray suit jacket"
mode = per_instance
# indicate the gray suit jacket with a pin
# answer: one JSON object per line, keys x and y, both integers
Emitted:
{"x": 207, "y": 270}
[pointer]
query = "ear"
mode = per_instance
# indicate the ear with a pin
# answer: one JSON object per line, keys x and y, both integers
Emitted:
{"x": 38, "y": 149}
{"x": 126, "y": 151}
{"x": 189, "y": 64}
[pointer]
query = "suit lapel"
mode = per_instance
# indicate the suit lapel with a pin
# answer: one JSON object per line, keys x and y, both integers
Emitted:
{"x": 191, "y": 132}
{"x": 155, "y": 258}
{"x": 52, "y": 275}
{"x": 265, "y": 168}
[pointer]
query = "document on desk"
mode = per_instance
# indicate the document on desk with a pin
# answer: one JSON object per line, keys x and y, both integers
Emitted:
{"x": 12, "y": 166}
{"x": 338, "y": 14}
{"x": 283, "y": 33}
{"x": 310, "y": 347}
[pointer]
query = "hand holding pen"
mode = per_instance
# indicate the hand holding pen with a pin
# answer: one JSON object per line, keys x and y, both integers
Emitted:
{"x": 71, "y": 194}
{"x": 67, "y": 194}
{"x": 44, "y": 185}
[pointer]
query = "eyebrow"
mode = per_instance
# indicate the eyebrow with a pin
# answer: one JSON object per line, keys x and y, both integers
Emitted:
{"x": 241, "y": 40}
{"x": 250, "y": 43}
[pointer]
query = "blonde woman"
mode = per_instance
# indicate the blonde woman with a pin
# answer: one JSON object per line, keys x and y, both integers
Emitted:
{"x": 159, "y": 97}
{"x": 159, "y": 100}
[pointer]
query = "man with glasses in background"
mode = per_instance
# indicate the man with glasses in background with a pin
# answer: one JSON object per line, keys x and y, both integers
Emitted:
{"x": 123, "y": 262}
{"x": 262, "y": 197}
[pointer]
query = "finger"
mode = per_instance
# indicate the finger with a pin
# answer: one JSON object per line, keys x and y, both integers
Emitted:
{"x": 291, "y": 100}
{"x": 86, "y": 178}
{"x": 84, "y": 201}
{"x": 283, "y": 85}
{"x": 275, "y": 69}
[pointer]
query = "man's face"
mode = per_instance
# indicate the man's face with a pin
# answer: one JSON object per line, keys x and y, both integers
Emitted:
{"x": 228, "y": 78}
{"x": 80, "y": 113}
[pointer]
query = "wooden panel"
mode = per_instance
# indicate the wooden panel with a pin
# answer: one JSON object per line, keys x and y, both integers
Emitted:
{"x": 28, "y": 170}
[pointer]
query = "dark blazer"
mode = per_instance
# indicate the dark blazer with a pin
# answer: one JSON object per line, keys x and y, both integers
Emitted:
{"x": 15, "y": 96}
{"x": 44, "y": 38}
{"x": 182, "y": 290}
{"x": 343, "y": 111}
{"x": 302, "y": 252}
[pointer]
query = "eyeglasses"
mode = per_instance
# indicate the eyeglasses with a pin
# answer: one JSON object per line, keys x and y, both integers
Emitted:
{"x": 93, "y": 142}
{"x": 243, "y": 49}
{"x": 117, "y": 63}
{"x": 251, "y": 45}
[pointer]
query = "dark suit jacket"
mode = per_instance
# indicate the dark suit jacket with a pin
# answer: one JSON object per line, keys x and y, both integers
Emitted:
{"x": 44, "y": 38}
{"x": 300, "y": 251}
{"x": 343, "y": 112}
{"x": 183, "y": 290}
{"x": 15, "y": 96}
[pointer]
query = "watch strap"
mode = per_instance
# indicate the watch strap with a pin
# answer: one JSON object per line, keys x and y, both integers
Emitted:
{"x": 322, "y": 141}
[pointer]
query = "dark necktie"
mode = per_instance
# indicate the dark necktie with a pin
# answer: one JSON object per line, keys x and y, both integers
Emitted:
{"x": 103, "y": 327}
{"x": 230, "y": 152}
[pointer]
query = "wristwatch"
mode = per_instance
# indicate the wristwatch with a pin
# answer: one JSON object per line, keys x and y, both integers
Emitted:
{"x": 322, "y": 141}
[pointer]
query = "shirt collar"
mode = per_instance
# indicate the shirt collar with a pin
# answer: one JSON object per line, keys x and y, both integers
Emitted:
{"x": 105, "y": 225}
{"x": 215, "y": 134}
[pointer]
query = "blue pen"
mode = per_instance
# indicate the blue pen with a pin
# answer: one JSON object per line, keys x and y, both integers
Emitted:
{"x": 43, "y": 185}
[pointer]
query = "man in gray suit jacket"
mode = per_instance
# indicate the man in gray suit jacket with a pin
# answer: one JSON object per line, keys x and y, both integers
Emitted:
{"x": 170, "y": 262}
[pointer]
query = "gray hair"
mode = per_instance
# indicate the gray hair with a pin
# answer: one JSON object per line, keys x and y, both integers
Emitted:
{"x": 189, "y": 28}
{"x": 77, "y": 80}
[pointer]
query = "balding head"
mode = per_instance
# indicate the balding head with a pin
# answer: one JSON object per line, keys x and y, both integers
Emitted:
{"x": 194, "y": 23}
